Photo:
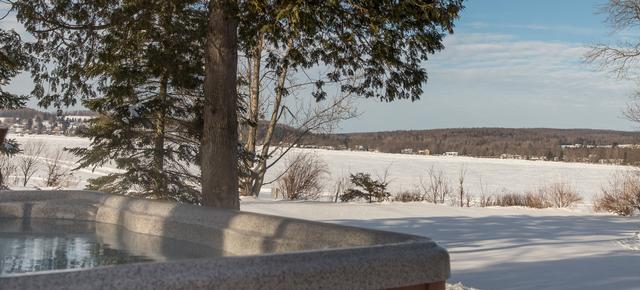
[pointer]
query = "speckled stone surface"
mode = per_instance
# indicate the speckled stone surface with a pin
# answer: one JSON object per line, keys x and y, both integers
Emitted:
{"x": 265, "y": 252}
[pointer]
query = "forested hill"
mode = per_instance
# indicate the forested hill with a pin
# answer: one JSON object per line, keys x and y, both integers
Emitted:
{"x": 29, "y": 113}
{"x": 488, "y": 142}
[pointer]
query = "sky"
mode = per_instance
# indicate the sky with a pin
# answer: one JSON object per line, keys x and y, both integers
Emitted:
{"x": 514, "y": 63}
{"x": 510, "y": 63}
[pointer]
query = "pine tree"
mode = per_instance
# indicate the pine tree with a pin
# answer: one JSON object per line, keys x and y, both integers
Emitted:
{"x": 380, "y": 45}
{"x": 13, "y": 59}
{"x": 139, "y": 65}
{"x": 366, "y": 188}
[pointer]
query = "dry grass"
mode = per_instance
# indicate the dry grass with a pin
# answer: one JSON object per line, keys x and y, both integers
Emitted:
{"x": 408, "y": 196}
{"x": 559, "y": 194}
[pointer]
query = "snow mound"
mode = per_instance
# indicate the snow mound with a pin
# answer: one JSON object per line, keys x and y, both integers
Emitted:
{"x": 459, "y": 286}
{"x": 632, "y": 243}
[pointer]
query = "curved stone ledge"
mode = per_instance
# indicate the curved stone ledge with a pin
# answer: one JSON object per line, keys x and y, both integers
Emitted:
{"x": 264, "y": 251}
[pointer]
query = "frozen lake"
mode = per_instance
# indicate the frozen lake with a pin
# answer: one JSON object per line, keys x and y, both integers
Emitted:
{"x": 405, "y": 171}
{"x": 494, "y": 175}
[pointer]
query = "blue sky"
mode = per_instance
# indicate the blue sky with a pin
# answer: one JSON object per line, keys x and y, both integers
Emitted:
{"x": 510, "y": 63}
{"x": 514, "y": 63}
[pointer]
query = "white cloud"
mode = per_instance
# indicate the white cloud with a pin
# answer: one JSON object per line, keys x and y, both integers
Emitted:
{"x": 533, "y": 70}
{"x": 500, "y": 80}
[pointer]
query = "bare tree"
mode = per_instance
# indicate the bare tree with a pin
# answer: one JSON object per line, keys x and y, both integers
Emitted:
{"x": 57, "y": 175}
{"x": 461, "y": 192}
{"x": 281, "y": 97}
{"x": 341, "y": 184}
{"x": 436, "y": 186}
{"x": 621, "y": 58}
{"x": 7, "y": 169}
{"x": 302, "y": 177}
{"x": 29, "y": 160}
{"x": 486, "y": 199}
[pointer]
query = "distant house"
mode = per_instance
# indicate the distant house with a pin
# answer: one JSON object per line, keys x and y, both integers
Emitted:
{"x": 451, "y": 153}
{"x": 611, "y": 161}
{"x": 510, "y": 156}
{"x": 359, "y": 148}
{"x": 424, "y": 152}
{"x": 632, "y": 146}
{"x": 407, "y": 151}
{"x": 79, "y": 118}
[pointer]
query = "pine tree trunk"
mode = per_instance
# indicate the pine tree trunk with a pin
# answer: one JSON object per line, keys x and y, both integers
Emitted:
{"x": 158, "y": 154}
{"x": 220, "y": 131}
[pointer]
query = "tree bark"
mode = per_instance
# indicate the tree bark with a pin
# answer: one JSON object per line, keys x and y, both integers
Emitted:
{"x": 220, "y": 130}
{"x": 160, "y": 131}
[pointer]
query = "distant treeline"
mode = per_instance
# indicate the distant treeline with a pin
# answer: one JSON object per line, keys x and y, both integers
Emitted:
{"x": 28, "y": 113}
{"x": 494, "y": 142}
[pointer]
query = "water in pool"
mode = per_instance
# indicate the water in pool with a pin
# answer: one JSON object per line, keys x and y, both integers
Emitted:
{"x": 34, "y": 245}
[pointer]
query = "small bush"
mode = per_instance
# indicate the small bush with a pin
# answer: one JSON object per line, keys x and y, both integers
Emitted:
{"x": 621, "y": 196}
{"x": 366, "y": 188}
{"x": 562, "y": 194}
{"x": 408, "y": 196}
{"x": 301, "y": 180}
{"x": 529, "y": 199}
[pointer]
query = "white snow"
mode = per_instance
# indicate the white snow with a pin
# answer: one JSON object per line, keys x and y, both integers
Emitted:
{"x": 490, "y": 248}
{"x": 499, "y": 248}
{"x": 496, "y": 175}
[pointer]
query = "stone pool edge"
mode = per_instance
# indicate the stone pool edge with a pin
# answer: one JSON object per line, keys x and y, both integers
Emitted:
{"x": 302, "y": 254}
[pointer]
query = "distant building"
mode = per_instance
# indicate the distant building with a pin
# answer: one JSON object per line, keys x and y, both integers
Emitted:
{"x": 510, "y": 156}
{"x": 407, "y": 151}
{"x": 451, "y": 153}
{"x": 79, "y": 118}
{"x": 424, "y": 152}
{"x": 359, "y": 148}
{"x": 611, "y": 161}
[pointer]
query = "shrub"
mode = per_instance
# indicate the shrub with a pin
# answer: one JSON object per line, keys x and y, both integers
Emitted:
{"x": 562, "y": 194}
{"x": 529, "y": 199}
{"x": 366, "y": 188}
{"x": 301, "y": 179}
{"x": 408, "y": 196}
{"x": 621, "y": 196}
{"x": 559, "y": 195}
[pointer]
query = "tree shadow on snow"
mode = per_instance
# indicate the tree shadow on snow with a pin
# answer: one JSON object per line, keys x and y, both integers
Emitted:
{"x": 497, "y": 236}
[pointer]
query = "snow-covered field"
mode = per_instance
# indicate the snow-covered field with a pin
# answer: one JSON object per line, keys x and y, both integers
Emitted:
{"x": 491, "y": 248}
{"x": 494, "y": 175}
{"x": 500, "y": 248}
